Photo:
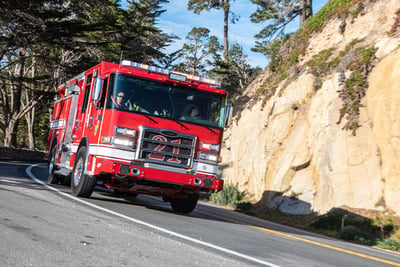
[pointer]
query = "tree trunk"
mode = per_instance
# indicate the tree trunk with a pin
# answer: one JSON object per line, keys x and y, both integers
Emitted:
{"x": 306, "y": 10}
{"x": 30, "y": 119}
{"x": 226, "y": 21}
{"x": 16, "y": 74}
{"x": 30, "y": 115}
{"x": 10, "y": 134}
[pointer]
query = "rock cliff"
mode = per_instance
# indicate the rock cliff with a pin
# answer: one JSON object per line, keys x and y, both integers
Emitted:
{"x": 298, "y": 150}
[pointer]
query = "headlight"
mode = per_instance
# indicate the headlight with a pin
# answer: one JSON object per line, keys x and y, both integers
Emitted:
{"x": 206, "y": 156}
{"x": 118, "y": 141}
{"x": 124, "y": 131}
{"x": 209, "y": 147}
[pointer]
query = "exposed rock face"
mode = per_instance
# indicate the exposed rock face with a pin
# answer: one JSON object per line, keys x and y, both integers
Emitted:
{"x": 290, "y": 153}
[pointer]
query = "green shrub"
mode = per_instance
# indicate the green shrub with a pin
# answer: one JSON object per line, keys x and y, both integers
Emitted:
{"x": 353, "y": 233}
{"x": 230, "y": 195}
{"x": 389, "y": 244}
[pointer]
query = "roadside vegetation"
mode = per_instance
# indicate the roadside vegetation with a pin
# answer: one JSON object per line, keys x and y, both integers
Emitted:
{"x": 365, "y": 227}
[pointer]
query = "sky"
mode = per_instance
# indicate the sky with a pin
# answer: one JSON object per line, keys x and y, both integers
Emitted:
{"x": 177, "y": 20}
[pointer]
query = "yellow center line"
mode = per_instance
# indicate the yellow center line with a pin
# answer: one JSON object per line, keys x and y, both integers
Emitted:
{"x": 303, "y": 239}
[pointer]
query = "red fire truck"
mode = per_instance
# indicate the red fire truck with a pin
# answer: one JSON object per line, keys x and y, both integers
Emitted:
{"x": 138, "y": 129}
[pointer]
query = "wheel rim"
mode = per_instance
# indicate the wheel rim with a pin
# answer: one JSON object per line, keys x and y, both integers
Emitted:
{"x": 78, "y": 171}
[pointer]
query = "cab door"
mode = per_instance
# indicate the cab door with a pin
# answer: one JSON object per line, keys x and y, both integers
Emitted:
{"x": 95, "y": 109}
{"x": 79, "y": 130}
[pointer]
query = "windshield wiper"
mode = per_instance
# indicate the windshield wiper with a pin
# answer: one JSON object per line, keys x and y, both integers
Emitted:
{"x": 182, "y": 125}
{"x": 211, "y": 130}
{"x": 150, "y": 118}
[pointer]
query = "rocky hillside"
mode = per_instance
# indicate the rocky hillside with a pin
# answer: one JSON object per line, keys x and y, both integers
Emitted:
{"x": 327, "y": 132}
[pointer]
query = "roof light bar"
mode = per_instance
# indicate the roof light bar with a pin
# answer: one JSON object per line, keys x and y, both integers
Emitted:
{"x": 174, "y": 75}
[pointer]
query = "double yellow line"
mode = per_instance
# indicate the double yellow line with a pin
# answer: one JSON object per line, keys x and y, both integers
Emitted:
{"x": 304, "y": 240}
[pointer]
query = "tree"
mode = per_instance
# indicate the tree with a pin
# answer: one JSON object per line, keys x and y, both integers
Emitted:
{"x": 168, "y": 60}
{"x": 199, "y": 51}
{"x": 199, "y": 5}
{"x": 279, "y": 13}
{"x": 41, "y": 41}
{"x": 45, "y": 42}
{"x": 235, "y": 73}
{"x": 140, "y": 38}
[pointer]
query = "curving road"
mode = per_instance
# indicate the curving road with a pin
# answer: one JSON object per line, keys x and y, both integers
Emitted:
{"x": 43, "y": 225}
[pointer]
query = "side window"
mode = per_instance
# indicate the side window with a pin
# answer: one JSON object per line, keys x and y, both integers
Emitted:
{"x": 100, "y": 104}
{"x": 87, "y": 91}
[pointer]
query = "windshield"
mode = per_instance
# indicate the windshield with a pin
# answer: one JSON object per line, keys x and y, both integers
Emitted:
{"x": 161, "y": 99}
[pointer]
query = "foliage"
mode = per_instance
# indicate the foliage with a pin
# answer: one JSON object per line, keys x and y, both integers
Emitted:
{"x": 230, "y": 195}
{"x": 139, "y": 37}
{"x": 389, "y": 243}
{"x": 320, "y": 64}
{"x": 352, "y": 227}
{"x": 355, "y": 86}
{"x": 199, "y": 5}
{"x": 283, "y": 54}
{"x": 199, "y": 51}
{"x": 235, "y": 73}
{"x": 46, "y": 42}
{"x": 333, "y": 8}
{"x": 285, "y": 51}
{"x": 278, "y": 14}
{"x": 40, "y": 41}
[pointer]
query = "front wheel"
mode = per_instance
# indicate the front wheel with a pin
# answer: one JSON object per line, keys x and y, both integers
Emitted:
{"x": 185, "y": 205}
{"x": 82, "y": 185}
{"x": 52, "y": 177}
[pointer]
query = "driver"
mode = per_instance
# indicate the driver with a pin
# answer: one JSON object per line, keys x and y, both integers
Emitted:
{"x": 120, "y": 101}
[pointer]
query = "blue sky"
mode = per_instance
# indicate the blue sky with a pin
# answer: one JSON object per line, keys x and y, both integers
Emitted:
{"x": 179, "y": 21}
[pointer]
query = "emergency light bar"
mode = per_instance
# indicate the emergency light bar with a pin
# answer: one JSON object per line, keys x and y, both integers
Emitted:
{"x": 173, "y": 75}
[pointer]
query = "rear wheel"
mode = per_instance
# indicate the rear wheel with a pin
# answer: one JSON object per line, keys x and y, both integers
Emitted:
{"x": 52, "y": 177}
{"x": 185, "y": 205}
{"x": 82, "y": 185}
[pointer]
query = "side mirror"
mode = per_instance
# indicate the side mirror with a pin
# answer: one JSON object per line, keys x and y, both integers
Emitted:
{"x": 228, "y": 115}
{"x": 97, "y": 89}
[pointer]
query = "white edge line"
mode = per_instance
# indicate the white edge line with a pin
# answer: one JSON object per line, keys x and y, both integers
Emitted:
{"x": 172, "y": 233}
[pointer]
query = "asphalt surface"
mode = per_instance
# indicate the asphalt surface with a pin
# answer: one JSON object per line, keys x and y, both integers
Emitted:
{"x": 44, "y": 225}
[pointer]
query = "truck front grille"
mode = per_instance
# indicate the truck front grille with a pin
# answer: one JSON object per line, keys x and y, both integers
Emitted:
{"x": 166, "y": 147}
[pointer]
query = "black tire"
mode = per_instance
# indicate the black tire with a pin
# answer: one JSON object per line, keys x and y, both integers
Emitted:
{"x": 82, "y": 185}
{"x": 66, "y": 180}
{"x": 52, "y": 178}
{"x": 127, "y": 194}
{"x": 185, "y": 205}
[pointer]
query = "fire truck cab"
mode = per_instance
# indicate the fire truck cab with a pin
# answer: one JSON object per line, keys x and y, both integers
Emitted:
{"x": 138, "y": 129}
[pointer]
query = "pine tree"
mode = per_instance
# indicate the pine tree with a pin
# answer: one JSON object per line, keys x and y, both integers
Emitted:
{"x": 140, "y": 38}
{"x": 199, "y": 51}
{"x": 278, "y": 14}
{"x": 199, "y": 5}
{"x": 45, "y": 42}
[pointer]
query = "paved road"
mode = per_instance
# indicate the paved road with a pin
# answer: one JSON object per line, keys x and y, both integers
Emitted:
{"x": 46, "y": 226}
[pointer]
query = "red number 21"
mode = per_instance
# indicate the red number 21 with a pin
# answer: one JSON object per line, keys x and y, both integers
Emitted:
{"x": 161, "y": 147}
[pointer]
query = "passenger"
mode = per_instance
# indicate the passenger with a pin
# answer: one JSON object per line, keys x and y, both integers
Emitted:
{"x": 194, "y": 112}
